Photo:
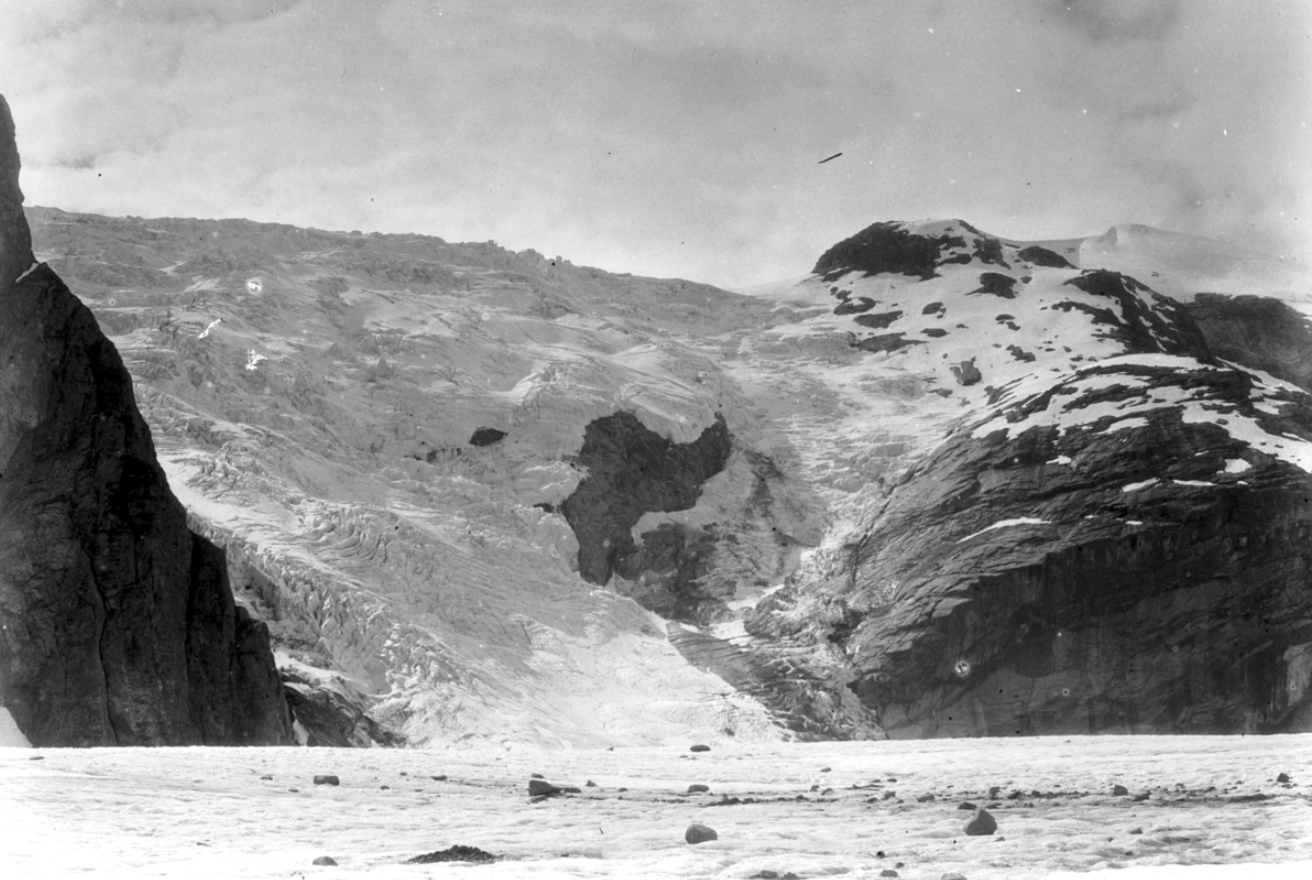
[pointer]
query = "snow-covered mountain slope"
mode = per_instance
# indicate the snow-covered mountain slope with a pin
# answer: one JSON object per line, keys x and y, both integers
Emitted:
{"x": 505, "y": 497}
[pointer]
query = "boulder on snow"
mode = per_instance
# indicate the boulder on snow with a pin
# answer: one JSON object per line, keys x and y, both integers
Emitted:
{"x": 980, "y": 824}
{"x": 699, "y": 834}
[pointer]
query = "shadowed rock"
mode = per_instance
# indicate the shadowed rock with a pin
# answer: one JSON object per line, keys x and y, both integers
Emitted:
{"x": 117, "y": 624}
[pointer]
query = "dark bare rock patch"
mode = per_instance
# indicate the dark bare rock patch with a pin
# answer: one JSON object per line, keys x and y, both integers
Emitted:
{"x": 1041, "y": 256}
{"x": 457, "y": 853}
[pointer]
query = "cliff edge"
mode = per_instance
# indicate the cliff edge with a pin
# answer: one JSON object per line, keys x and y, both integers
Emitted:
{"x": 117, "y": 624}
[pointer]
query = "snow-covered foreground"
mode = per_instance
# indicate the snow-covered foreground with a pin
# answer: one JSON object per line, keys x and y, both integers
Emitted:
{"x": 1214, "y": 808}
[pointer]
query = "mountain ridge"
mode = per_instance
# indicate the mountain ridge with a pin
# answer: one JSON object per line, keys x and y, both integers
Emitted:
{"x": 317, "y": 395}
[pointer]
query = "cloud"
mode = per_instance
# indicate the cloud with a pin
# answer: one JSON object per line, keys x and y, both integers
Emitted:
{"x": 675, "y": 138}
{"x": 1115, "y": 20}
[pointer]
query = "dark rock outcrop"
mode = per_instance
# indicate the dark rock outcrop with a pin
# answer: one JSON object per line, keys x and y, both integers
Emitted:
{"x": 888, "y": 247}
{"x": 333, "y": 714}
{"x": 1041, "y": 256}
{"x": 1258, "y": 332}
{"x": 117, "y": 624}
{"x": 632, "y": 470}
{"x": 1142, "y": 320}
{"x": 1140, "y": 587}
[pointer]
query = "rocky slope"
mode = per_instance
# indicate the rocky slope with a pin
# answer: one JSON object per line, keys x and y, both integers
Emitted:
{"x": 1115, "y": 538}
{"x": 117, "y": 625}
{"x": 947, "y": 484}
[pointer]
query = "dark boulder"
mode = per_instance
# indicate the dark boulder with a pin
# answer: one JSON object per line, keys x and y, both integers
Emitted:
{"x": 980, "y": 824}
{"x": 457, "y": 853}
{"x": 700, "y": 834}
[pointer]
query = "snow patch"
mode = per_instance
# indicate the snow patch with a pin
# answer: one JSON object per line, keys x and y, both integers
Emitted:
{"x": 1006, "y": 523}
{"x": 10, "y": 736}
{"x": 1135, "y": 487}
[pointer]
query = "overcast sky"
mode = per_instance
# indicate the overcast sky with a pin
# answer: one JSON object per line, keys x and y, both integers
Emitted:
{"x": 671, "y": 138}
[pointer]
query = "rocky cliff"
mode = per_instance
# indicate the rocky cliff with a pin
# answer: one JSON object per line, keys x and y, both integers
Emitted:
{"x": 1116, "y": 546}
{"x": 117, "y": 624}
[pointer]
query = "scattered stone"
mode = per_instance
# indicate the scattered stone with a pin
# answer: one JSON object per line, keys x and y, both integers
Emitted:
{"x": 698, "y": 788}
{"x": 1120, "y": 790}
{"x": 888, "y": 872}
{"x": 293, "y": 789}
{"x": 952, "y": 875}
{"x": 536, "y": 776}
{"x": 539, "y": 786}
{"x": 966, "y": 805}
{"x": 826, "y": 769}
{"x": 385, "y": 787}
{"x": 980, "y": 824}
{"x": 36, "y": 758}
{"x": 438, "y": 778}
{"x": 327, "y": 779}
{"x": 589, "y": 784}
{"x": 1141, "y": 796}
{"x": 994, "y": 791}
{"x": 926, "y": 798}
{"x": 1283, "y": 777}
{"x": 267, "y": 778}
{"x": 699, "y": 834}
{"x": 700, "y": 748}
{"x": 325, "y": 860}
{"x": 827, "y": 791}
{"x": 765, "y": 874}
{"x": 457, "y": 853}
{"x": 1136, "y": 831}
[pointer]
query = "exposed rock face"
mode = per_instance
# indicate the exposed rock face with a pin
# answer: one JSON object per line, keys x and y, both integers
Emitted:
{"x": 1119, "y": 547}
{"x": 1258, "y": 332}
{"x": 117, "y": 625}
{"x": 888, "y": 247}
{"x": 1181, "y": 605}
{"x": 632, "y": 470}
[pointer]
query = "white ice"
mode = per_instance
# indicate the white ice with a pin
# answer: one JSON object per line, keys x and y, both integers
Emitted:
{"x": 821, "y": 810}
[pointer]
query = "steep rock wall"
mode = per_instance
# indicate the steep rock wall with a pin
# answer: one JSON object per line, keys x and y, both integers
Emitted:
{"x": 1257, "y": 331}
{"x": 117, "y": 625}
{"x": 1087, "y": 580}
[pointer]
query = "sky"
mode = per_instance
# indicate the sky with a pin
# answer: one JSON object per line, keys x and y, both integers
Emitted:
{"x": 672, "y": 137}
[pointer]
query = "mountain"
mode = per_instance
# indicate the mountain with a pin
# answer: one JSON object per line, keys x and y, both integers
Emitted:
{"x": 947, "y": 484}
{"x": 117, "y": 626}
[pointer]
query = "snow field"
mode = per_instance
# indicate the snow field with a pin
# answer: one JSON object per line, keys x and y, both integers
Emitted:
{"x": 822, "y": 810}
